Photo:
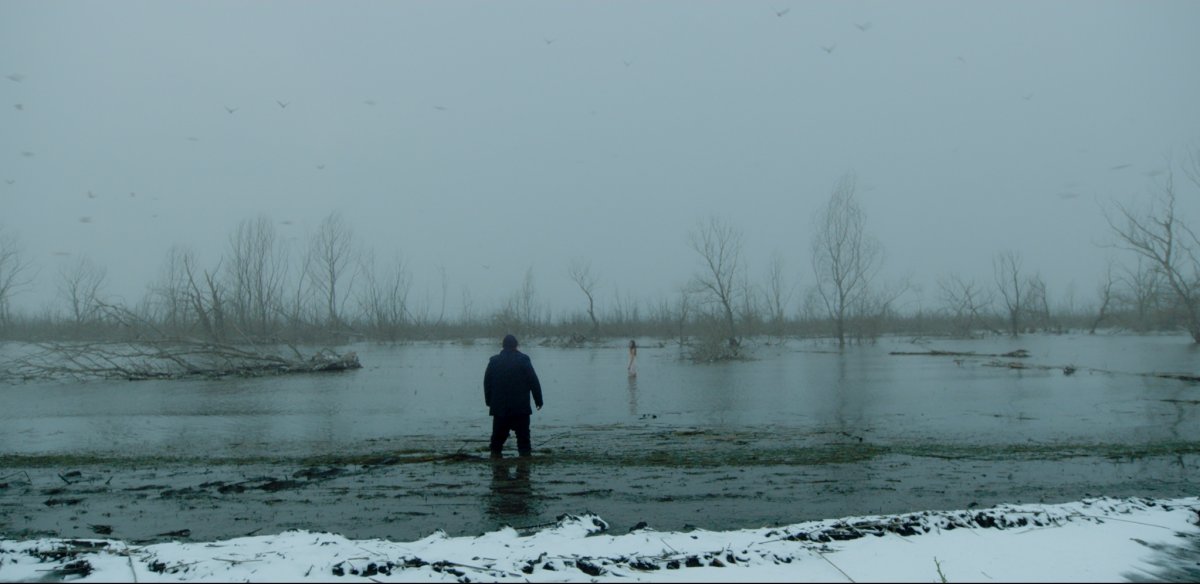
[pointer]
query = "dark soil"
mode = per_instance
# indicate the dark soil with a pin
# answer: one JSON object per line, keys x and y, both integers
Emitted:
{"x": 671, "y": 480}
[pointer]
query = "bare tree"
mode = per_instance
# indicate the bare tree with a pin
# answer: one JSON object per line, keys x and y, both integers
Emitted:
{"x": 778, "y": 293}
{"x": 207, "y": 297}
{"x": 519, "y": 313}
{"x": 965, "y": 302}
{"x": 1105, "y": 292}
{"x": 1159, "y": 235}
{"x": 467, "y": 314}
{"x": 190, "y": 296}
{"x": 256, "y": 272}
{"x": 15, "y": 272}
{"x": 1006, "y": 267}
{"x": 580, "y": 271}
{"x": 720, "y": 248}
{"x": 79, "y": 285}
{"x": 1141, "y": 292}
{"x": 1037, "y": 303}
{"x": 332, "y": 251}
{"x": 526, "y": 301}
{"x": 845, "y": 258}
{"x": 383, "y": 296}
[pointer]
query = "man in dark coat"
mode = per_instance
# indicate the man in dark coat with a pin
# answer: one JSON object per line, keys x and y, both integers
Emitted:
{"x": 507, "y": 384}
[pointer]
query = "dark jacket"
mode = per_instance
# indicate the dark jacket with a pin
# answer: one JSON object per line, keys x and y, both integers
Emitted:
{"x": 508, "y": 382}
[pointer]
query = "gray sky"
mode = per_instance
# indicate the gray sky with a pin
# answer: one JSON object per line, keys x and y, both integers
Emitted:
{"x": 517, "y": 134}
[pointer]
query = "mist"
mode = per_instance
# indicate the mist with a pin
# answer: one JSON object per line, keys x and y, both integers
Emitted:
{"x": 480, "y": 144}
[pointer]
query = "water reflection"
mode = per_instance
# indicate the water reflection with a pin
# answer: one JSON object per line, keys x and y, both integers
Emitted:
{"x": 633, "y": 395}
{"x": 511, "y": 493}
{"x": 431, "y": 392}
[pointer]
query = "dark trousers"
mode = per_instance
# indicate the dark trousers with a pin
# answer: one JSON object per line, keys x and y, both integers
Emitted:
{"x": 502, "y": 425}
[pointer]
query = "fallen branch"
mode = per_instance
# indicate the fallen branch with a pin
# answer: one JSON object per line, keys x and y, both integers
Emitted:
{"x": 166, "y": 359}
{"x": 1017, "y": 354}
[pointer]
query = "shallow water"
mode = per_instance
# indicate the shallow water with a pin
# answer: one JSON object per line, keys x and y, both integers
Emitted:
{"x": 430, "y": 395}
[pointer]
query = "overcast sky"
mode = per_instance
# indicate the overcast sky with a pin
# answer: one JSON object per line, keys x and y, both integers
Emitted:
{"x": 486, "y": 138}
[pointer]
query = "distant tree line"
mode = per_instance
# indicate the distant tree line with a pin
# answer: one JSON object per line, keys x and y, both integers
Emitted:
{"x": 329, "y": 289}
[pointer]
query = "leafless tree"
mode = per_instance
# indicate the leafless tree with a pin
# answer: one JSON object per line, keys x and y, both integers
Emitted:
{"x": 580, "y": 271}
{"x": 1159, "y": 235}
{"x": 965, "y": 302}
{"x": 79, "y": 285}
{"x": 256, "y": 272}
{"x": 332, "y": 251}
{"x": 207, "y": 297}
{"x": 1141, "y": 292}
{"x": 422, "y": 314}
{"x": 519, "y": 313}
{"x": 778, "y": 293}
{"x": 383, "y": 296}
{"x": 1105, "y": 293}
{"x": 467, "y": 315}
{"x": 299, "y": 310}
{"x": 719, "y": 245}
{"x": 190, "y": 296}
{"x": 682, "y": 313}
{"x": 16, "y": 272}
{"x": 1006, "y": 267}
{"x": 1036, "y": 304}
{"x": 845, "y": 258}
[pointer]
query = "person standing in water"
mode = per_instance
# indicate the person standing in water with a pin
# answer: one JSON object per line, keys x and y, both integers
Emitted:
{"x": 632, "y": 358}
{"x": 508, "y": 383}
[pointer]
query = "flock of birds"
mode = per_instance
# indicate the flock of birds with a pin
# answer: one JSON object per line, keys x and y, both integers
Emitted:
{"x": 779, "y": 13}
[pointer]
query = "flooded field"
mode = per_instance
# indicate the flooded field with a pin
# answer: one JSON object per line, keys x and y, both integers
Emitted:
{"x": 398, "y": 448}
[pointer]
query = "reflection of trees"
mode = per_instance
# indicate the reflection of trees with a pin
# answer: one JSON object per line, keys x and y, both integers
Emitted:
{"x": 511, "y": 492}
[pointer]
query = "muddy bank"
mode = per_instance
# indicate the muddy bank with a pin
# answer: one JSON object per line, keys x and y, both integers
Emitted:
{"x": 671, "y": 480}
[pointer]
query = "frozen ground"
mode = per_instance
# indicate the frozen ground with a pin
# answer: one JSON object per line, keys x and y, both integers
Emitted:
{"x": 1101, "y": 539}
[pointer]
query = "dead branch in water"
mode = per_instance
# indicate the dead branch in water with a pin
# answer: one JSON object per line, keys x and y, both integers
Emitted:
{"x": 1018, "y": 354}
{"x": 165, "y": 358}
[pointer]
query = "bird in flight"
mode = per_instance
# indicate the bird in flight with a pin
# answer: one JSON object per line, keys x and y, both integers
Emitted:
{"x": 1027, "y": 96}
{"x": 829, "y": 49}
{"x": 286, "y": 222}
{"x": 193, "y": 139}
{"x": 91, "y": 195}
{"x": 549, "y": 41}
{"x": 10, "y": 181}
{"x": 369, "y": 101}
{"x": 782, "y": 13}
{"x": 863, "y": 27}
{"x": 439, "y": 107}
{"x": 19, "y": 106}
{"x": 1120, "y": 166}
{"x": 26, "y": 154}
{"x": 231, "y": 109}
{"x": 320, "y": 167}
{"x": 627, "y": 62}
{"x": 85, "y": 219}
{"x": 61, "y": 253}
{"x": 15, "y": 77}
{"x": 132, "y": 194}
{"x": 283, "y": 104}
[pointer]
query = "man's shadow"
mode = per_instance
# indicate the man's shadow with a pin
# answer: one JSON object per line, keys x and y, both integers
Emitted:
{"x": 510, "y": 498}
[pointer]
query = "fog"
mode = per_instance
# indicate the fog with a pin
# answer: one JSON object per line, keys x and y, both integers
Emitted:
{"x": 484, "y": 140}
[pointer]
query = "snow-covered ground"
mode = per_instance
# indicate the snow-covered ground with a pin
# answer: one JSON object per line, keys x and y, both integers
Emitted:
{"x": 1101, "y": 539}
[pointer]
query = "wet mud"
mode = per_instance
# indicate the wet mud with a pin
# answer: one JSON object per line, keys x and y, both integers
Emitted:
{"x": 666, "y": 479}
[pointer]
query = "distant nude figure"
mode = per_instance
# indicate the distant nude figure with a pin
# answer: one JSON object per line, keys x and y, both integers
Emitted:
{"x": 632, "y": 358}
{"x": 508, "y": 383}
